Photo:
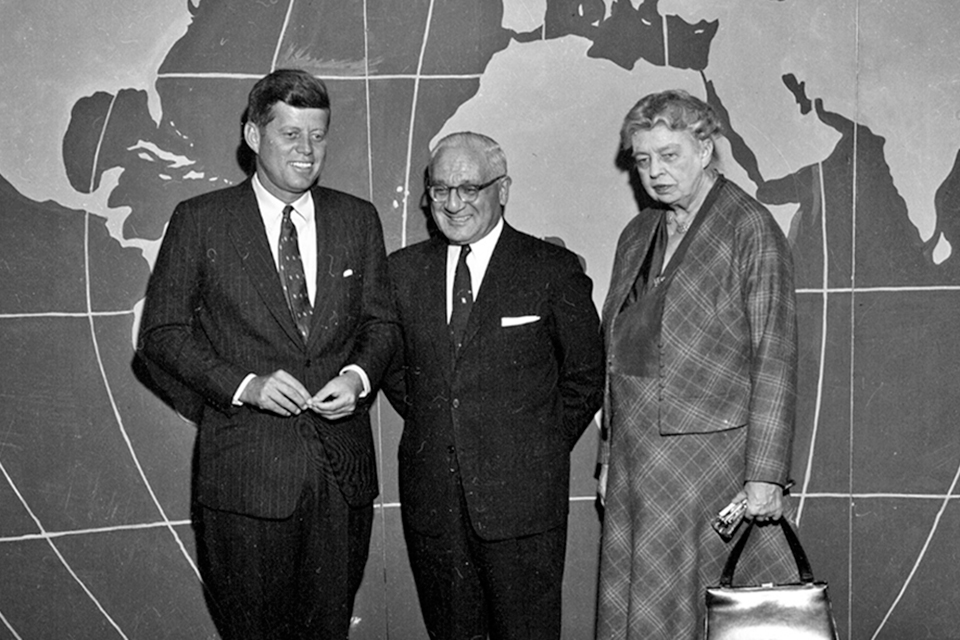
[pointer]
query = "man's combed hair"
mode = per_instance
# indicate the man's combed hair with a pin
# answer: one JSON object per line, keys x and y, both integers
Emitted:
{"x": 490, "y": 148}
{"x": 295, "y": 87}
{"x": 677, "y": 110}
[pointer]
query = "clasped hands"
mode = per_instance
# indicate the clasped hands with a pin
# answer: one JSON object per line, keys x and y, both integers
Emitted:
{"x": 281, "y": 393}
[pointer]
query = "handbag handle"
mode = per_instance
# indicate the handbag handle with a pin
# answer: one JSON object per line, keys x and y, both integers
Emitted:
{"x": 803, "y": 565}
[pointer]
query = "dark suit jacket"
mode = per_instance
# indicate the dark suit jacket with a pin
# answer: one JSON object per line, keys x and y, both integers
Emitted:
{"x": 515, "y": 400}
{"x": 215, "y": 312}
{"x": 728, "y": 350}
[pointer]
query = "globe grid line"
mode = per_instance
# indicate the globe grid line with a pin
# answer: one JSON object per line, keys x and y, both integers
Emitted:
{"x": 6, "y": 623}
{"x": 379, "y": 502}
{"x": 60, "y": 557}
{"x": 666, "y": 41}
{"x": 283, "y": 32}
{"x": 818, "y": 403}
{"x": 119, "y": 420}
{"x": 103, "y": 372}
{"x": 219, "y": 75}
{"x": 923, "y": 551}
{"x": 66, "y": 314}
{"x": 854, "y": 175}
{"x": 825, "y": 291}
{"x": 854, "y": 290}
{"x": 815, "y": 495}
{"x": 413, "y": 119}
{"x": 160, "y": 524}
{"x": 886, "y": 289}
{"x": 800, "y": 291}
{"x": 366, "y": 95}
{"x": 49, "y": 535}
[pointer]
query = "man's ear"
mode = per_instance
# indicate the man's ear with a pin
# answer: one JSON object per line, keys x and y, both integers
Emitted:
{"x": 251, "y": 135}
{"x": 505, "y": 191}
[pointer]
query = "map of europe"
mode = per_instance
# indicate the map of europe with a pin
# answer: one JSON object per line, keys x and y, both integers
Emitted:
{"x": 840, "y": 116}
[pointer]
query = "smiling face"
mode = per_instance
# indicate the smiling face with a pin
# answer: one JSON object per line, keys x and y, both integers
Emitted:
{"x": 466, "y": 222}
{"x": 290, "y": 149}
{"x": 672, "y": 165}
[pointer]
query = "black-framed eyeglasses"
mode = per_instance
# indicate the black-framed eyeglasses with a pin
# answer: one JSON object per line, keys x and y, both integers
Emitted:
{"x": 466, "y": 192}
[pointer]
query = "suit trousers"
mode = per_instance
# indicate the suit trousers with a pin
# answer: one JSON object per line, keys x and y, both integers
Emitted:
{"x": 290, "y": 578}
{"x": 469, "y": 587}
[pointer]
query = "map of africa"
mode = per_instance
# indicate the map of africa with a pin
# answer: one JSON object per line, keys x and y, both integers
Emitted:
{"x": 841, "y": 117}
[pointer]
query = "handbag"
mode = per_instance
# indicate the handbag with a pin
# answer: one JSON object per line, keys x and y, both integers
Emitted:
{"x": 794, "y": 611}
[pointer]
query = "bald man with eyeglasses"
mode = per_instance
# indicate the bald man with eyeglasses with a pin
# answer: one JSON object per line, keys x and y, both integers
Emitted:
{"x": 500, "y": 372}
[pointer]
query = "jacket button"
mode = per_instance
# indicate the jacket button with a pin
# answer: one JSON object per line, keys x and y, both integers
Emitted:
{"x": 456, "y": 403}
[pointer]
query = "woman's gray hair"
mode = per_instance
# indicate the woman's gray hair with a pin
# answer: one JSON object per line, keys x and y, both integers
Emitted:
{"x": 677, "y": 110}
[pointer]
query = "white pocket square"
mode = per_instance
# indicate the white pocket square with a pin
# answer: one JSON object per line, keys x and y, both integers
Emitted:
{"x": 519, "y": 320}
{"x": 348, "y": 273}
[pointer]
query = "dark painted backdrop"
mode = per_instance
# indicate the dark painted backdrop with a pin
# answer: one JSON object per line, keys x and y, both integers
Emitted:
{"x": 95, "y": 540}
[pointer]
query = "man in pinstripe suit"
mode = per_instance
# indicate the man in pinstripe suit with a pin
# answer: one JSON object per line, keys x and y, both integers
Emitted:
{"x": 269, "y": 310}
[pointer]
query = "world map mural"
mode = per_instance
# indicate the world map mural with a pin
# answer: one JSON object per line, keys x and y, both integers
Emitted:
{"x": 841, "y": 116}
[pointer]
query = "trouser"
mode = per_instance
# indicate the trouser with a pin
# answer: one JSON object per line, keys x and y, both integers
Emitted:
{"x": 469, "y": 587}
{"x": 290, "y": 578}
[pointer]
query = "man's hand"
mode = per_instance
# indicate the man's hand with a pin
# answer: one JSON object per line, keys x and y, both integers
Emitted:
{"x": 338, "y": 398}
{"x": 278, "y": 392}
{"x": 764, "y": 501}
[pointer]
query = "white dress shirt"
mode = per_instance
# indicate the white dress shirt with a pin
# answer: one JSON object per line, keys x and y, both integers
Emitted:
{"x": 477, "y": 261}
{"x": 271, "y": 212}
{"x": 304, "y": 219}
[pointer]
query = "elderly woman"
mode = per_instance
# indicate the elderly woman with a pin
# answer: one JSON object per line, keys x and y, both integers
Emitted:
{"x": 700, "y": 330}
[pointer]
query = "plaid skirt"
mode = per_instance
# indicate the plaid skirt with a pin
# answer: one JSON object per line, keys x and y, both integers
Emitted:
{"x": 658, "y": 550}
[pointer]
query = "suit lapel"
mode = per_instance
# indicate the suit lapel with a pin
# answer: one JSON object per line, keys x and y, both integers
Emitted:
{"x": 497, "y": 279}
{"x": 627, "y": 266}
{"x": 324, "y": 224}
{"x": 248, "y": 234}
{"x": 433, "y": 299}
{"x": 707, "y": 240}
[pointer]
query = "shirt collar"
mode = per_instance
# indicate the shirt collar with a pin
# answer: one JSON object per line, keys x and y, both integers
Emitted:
{"x": 483, "y": 248}
{"x": 271, "y": 205}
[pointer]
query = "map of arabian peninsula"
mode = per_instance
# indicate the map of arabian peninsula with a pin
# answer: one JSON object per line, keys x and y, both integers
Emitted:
{"x": 89, "y": 447}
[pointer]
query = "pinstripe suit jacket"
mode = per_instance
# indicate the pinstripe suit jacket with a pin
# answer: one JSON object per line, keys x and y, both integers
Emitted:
{"x": 728, "y": 350}
{"x": 215, "y": 312}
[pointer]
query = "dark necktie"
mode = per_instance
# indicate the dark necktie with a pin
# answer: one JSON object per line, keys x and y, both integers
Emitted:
{"x": 291, "y": 274}
{"x": 462, "y": 298}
